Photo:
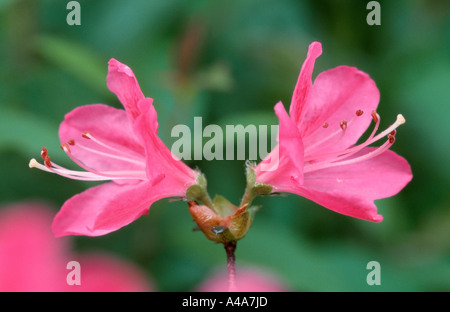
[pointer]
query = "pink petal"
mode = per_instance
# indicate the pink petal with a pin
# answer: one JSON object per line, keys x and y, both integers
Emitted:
{"x": 379, "y": 177}
{"x": 336, "y": 96}
{"x": 303, "y": 86}
{"x": 288, "y": 164}
{"x": 351, "y": 189}
{"x": 351, "y": 205}
{"x": 104, "y": 208}
{"x": 109, "y": 125}
{"x": 161, "y": 163}
{"x": 122, "y": 82}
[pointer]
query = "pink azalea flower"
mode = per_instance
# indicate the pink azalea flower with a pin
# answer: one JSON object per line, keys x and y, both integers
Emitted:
{"x": 247, "y": 280}
{"x": 32, "y": 259}
{"x": 121, "y": 146}
{"x": 317, "y": 151}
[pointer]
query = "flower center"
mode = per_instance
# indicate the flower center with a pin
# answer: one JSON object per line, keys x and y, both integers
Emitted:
{"x": 343, "y": 157}
{"x": 101, "y": 149}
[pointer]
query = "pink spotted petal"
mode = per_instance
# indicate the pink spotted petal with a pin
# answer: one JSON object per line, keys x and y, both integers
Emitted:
{"x": 304, "y": 83}
{"x": 123, "y": 83}
{"x": 280, "y": 169}
{"x": 109, "y": 125}
{"x": 336, "y": 96}
{"x": 160, "y": 163}
{"x": 104, "y": 208}
{"x": 351, "y": 189}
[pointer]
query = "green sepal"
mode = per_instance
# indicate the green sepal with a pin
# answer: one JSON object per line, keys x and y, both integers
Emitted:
{"x": 251, "y": 175}
{"x": 195, "y": 192}
{"x": 261, "y": 189}
{"x": 240, "y": 224}
{"x": 224, "y": 207}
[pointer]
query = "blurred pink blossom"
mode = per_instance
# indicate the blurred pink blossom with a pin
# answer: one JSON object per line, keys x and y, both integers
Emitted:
{"x": 32, "y": 259}
{"x": 247, "y": 280}
{"x": 115, "y": 145}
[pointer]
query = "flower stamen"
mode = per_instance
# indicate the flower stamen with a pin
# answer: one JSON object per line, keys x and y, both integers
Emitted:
{"x": 88, "y": 175}
{"x": 390, "y": 133}
{"x": 127, "y": 157}
{"x": 110, "y": 174}
{"x": 352, "y": 150}
{"x": 341, "y": 131}
{"x": 342, "y": 125}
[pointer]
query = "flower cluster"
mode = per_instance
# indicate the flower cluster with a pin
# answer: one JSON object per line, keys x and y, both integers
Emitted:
{"x": 318, "y": 156}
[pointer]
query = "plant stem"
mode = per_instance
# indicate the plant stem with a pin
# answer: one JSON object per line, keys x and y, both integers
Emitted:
{"x": 230, "y": 247}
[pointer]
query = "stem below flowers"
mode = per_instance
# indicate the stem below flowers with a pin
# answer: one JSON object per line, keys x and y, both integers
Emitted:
{"x": 230, "y": 247}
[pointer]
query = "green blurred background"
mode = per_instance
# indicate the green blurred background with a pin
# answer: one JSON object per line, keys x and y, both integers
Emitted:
{"x": 230, "y": 62}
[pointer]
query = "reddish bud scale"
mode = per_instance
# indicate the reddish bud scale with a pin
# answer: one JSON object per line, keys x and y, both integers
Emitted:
{"x": 192, "y": 203}
{"x": 241, "y": 210}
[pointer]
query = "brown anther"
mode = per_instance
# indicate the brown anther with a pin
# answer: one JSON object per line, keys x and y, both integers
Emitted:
{"x": 65, "y": 147}
{"x": 71, "y": 142}
{"x": 374, "y": 116}
{"x": 44, "y": 152}
{"x": 325, "y": 125}
{"x": 86, "y": 135}
{"x": 393, "y": 132}
{"x": 343, "y": 124}
{"x": 391, "y": 138}
{"x": 47, "y": 161}
{"x": 359, "y": 112}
